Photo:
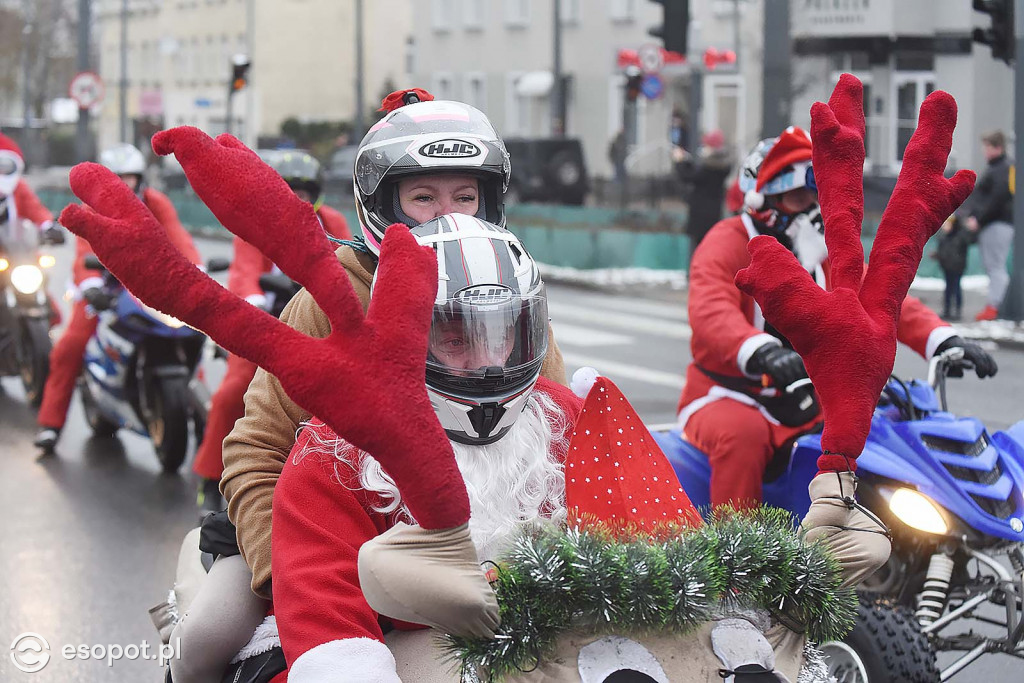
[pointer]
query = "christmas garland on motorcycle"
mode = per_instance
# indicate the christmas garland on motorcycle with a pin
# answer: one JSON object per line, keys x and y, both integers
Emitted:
{"x": 605, "y": 580}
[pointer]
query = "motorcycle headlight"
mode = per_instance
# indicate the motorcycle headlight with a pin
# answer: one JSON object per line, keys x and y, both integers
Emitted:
{"x": 27, "y": 279}
{"x": 47, "y": 261}
{"x": 916, "y": 510}
{"x": 4, "y": 264}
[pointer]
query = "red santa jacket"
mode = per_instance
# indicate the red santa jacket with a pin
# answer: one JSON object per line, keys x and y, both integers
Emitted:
{"x": 27, "y": 205}
{"x": 249, "y": 262}
{"x": 321, "y": 518}
{"x": 728, "y": 325}
{"x": 162, "y": 209}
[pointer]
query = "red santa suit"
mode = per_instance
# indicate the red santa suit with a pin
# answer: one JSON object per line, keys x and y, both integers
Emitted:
{"x": 322, "y": 515}
{"x": 227, "y": 404}
{"x": 68, "y": 352}
{"x": 738, "y": 434}
{"x": 27, "y": 205}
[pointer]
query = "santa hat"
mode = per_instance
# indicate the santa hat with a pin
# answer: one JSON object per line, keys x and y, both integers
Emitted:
{"x": 792, "y": 147}
{"x": 615, "y": 472}
{"x": 8, "y": 144}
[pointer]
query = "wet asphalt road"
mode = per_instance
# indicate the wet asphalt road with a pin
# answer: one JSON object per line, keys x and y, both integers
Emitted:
{"x": 89, "y": 537}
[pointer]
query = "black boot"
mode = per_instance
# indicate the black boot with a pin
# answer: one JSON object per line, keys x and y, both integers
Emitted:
{"x": 46, "y": 439}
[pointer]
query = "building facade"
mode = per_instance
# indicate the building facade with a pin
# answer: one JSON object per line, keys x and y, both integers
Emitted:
{"x": 302, "y": 53}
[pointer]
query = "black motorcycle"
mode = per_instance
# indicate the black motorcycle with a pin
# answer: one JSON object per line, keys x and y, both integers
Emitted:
{"x": 26, "y": 315}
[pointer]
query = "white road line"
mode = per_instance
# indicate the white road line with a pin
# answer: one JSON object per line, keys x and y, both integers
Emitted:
{"x": 624, "y": 321}
{"x": 632, "y": 305}
{"x": 575, "y": 335}
{"x": 620, "y": 371}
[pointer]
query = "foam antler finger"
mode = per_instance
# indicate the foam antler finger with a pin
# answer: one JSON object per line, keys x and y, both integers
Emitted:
{"x": 776, "y": 279}
{"x": 922, "y": 199}
{"x": 837, "y": 129}
{"x": 405, "y": 266}
{"x": 254, "y": 202}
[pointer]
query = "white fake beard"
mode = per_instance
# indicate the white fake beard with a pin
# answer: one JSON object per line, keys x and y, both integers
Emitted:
{"x": 511, "y": 482}
{"x": 808, "y": 242}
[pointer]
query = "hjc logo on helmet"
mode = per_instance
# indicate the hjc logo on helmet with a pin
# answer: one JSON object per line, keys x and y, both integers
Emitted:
{"x": 484, "y": 295}
{"x": 449, "y": 149}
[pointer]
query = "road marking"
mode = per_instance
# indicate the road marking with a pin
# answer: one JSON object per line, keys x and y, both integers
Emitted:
{"x": 632, "y": 323}
{"x": 631, "y": 305}
{"x": 575, "y": 335}
{"x": 617, "y": 371}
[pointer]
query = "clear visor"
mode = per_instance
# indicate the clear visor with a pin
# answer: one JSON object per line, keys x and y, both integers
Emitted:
{"x": 10, "y": 171}
{"x": 488, "y": 332}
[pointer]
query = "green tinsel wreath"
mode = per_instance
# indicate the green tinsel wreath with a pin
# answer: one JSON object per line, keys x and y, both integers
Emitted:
{"x": 600, "y": 579}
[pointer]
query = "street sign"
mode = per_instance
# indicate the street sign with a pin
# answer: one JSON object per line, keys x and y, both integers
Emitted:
{"x": 203, "y": 102}
{"x": 652, "y": 58}
{"x": 652, "y": 86}
{"x": 86, "y": 89}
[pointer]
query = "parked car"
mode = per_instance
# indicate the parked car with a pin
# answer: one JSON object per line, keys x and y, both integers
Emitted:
{"x": 338, "y": 171}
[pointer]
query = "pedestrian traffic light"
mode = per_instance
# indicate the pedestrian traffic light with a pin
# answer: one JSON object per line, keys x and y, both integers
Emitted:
{"x": 1000, "y": 37}
{"x": 239, "y": 73}
{"x": 675, "y": 26}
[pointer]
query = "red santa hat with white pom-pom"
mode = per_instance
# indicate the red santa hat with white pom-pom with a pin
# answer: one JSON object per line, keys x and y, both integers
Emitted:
{"x": 614, "y": 472}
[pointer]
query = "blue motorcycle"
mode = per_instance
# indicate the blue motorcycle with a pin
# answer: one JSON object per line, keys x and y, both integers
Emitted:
{"x": 953, "y": 496}
{"x": 138, "y": 366}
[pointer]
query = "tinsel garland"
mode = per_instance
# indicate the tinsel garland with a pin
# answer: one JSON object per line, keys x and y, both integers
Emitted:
{"x": 599, "y": 579}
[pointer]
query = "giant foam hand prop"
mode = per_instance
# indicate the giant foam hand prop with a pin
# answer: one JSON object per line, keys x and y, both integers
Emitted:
{"x": 847, "y": 336}
{"x": 377, "y": 362}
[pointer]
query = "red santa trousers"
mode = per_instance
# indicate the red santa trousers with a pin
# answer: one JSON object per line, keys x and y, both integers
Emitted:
{"x": 226, "y": 407}
{"x": 66, "y": 360}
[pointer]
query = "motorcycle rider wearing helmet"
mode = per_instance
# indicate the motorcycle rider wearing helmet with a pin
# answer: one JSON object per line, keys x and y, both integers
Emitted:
{"x": 735, "y": 406}
{"x": 17, "y": 200}
{"x": 303, "y": 175}
{"x": 508, "y": 427}
{"x": 424, "y": 159}
{"x": 67, "y": 355}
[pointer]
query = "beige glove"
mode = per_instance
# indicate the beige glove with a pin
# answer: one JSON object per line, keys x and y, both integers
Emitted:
{"x": 429, "y": 577}
{"x": 857, "y": 539}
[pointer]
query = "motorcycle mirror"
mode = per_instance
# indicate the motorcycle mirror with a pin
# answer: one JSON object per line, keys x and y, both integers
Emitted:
{"x": 92, "y": 262}
{"x": 217, "y": 265}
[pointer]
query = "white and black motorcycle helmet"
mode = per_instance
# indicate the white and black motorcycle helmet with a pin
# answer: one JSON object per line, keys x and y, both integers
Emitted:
{"x": 489, "y": 332}
{"x": 427, "y": 137}
{"x": 125, "y": 159}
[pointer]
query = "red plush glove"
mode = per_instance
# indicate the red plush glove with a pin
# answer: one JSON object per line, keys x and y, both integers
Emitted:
{"x": 377, "y": 361}
{"x": 847, "y": 336}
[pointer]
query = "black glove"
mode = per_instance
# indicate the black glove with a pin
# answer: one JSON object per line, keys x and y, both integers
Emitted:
{"x": 783, "y": 365}
{"x": 98, "y": 298}
{"x": 53, "y": 235}
{"x": 984, "y": 364}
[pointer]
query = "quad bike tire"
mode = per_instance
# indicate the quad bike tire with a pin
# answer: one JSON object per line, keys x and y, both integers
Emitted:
{"x": 168, "y": 422}
{"x": 34, "y": 361}
{"x": 885, "y": 646}
{"x": 98, "y": 423}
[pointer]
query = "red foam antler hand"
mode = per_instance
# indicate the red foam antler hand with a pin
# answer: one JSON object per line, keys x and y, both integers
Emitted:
{"x": 847, "y": 336}
{"x": 378, "y": 362}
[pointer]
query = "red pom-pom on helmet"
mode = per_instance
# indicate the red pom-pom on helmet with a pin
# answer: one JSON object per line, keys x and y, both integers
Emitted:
{"x": 400, "y": 98}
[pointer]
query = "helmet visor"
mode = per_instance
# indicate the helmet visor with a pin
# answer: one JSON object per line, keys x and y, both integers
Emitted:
{"x": 11, "y": 167}
{"x": 486, "y": 339}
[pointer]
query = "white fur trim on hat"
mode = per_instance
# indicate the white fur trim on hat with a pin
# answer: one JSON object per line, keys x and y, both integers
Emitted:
{"x": 352, "y": 659}
{"x": 753, "y": 200}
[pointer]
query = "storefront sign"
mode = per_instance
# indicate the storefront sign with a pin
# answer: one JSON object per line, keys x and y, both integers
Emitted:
{"x": 827, "y": 18}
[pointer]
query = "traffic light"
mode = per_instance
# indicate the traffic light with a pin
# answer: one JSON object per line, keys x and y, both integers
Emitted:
{"x": 239, "y": 73}
{"x": 676, "y": 25}
{"x": 1000, "y": 37}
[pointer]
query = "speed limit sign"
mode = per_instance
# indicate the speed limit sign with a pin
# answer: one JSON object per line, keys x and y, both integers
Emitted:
{"x": 86, "y": 89}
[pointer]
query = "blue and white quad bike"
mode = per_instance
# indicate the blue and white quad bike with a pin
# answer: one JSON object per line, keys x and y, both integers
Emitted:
{"x": 953, "y": 496}
{"x": 138, "y": 366}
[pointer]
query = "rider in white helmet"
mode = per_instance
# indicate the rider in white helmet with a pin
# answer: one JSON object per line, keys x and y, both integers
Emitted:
{"x": 128, "y": 163}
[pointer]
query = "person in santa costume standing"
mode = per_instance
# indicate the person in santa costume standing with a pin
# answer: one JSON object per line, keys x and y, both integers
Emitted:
{"x": 735, "y": 405}
{"x": 303, "y": 175}
{"x": 67, "y": 356}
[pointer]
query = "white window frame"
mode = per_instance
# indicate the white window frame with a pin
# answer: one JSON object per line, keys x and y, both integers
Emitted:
{"x": 622, "y": 10}
{"x": 898, "y": 78}
{"x": 571, "y": 12}
{"x": 474, "y": 14}
{"x": 469, "y": 81}
{"x": 443, "y": 15}
{"x": 514, "y": 125}
{"x": 443, "y": 85}
{"x": 517, "y": 13}
{"x": 709, "y": 114}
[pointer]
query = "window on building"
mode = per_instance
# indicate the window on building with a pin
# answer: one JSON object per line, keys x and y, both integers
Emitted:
{"x": 571, "y": 11}
{"x": 910, "y": 89}
{"x": 517, "y": 107}
{"x": 410, "y": 55}
{"x": 517, "y": 12}
{"x": 473, "y": 14}
{"x": 622, "y": 10}
{"x": 444, "y": 86}
{"x": 474, "y": 90}
{"x": 443, "y": 14}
